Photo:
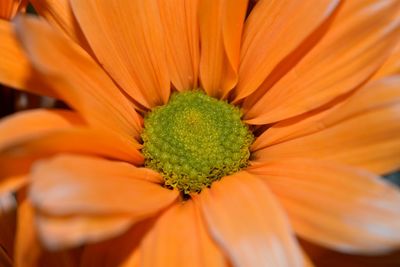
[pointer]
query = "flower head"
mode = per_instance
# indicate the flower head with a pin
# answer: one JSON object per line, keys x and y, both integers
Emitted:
{"x": 157, "y": 173}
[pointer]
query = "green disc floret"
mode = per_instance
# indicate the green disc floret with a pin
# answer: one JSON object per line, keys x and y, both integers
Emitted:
{"x": 195, "y": 140}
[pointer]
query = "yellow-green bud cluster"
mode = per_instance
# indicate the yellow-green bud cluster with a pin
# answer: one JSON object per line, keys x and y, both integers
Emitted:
{"x": 195, "y": 140}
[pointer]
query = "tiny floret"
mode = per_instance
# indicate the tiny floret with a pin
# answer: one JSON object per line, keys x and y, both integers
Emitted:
{"x": 195, "y": 140}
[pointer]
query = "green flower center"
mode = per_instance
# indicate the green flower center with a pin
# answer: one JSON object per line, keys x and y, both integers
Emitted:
{"x": 195, "y": 140}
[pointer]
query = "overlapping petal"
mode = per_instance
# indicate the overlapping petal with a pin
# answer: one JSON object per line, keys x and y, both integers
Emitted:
{"x": 77, "y": 78}
{"x": 92, "y": 197}
{"x": 360, "y": 132}
{"x": 273, "y": 31}
{"x": 356, "y": 45}
{"x": 24, "y": 126}
{"x": 245, "y": 220}
{"x": 181, "y": 224}
{"x": 130, "y": 47}
{"x": 340, "y": 207}
{"x": 221, "y": 24}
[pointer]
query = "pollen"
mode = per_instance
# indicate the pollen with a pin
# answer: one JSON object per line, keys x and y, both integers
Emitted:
{"x": 195, "y": 140}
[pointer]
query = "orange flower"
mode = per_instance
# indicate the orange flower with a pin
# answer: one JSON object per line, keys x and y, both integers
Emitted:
{"x": 318, "y": 81}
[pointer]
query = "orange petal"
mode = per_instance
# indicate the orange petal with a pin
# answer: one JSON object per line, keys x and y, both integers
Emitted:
{"x": 362, "y": 132}
{"x": 8, "y": 9}
{"x": 61, "y": 232}
{"x": 83, "y": 199}
{"x": 59, "y": 14}
{"x": 25, "y": 124}
{"x": 358, "y": 42}
{"x": 12, "y": 184}
{"x": 391, "y": 66}
{"x": 27, "y": 247}
{"x": 121, "y": 251}
{"x": 244, "y": 218}
{"x": 336, "y": 206}
{"x": 15, "y": 69}
{"x": 77, "y": 78}
{"x": 274, "y": 30}
{"x": 73, "y": 140}
{"x": 179, "y": 20}
{"x": 69, "y": 184}
{"x": 179, "y": 238}
{"x": 38, "y": 133}
{"x": 127, "y": 38}
{"x": 221, "y": 24}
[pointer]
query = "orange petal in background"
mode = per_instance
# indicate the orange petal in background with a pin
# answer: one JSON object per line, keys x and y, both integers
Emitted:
{"x": 355, "y": 46}
{"x": 221, "y": 24}
{"x": 27, "y": 246}
{"x": 15, "y": 69}
{"x": 59, "y": 14}
{"x": 336, "y": 206}
{"x": 362, "y": 132}
{"x": 127, "y": 39}
{"x": 273, "y": 30}
{"x": 245, "y": 220}
{"x": 179, "y": 238}
{"x": 180, "y": 24}
{"x": 77, "y": 78}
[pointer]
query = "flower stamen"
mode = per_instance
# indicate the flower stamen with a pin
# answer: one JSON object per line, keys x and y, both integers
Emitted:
{"x": 195, "y": 140}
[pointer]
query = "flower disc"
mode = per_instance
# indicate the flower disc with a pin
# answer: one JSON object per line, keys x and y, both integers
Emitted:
{"x": 195, "y": 140}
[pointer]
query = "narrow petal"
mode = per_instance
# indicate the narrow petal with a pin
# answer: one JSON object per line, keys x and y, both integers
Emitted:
{"x": 15, "y": 69}
{"x": 77, "y": 78}
{"x": 27, "y": 247}
{"x": 361, "y": 132}
{"x": 179, "y": 238}
{"x": 59, "y": 14}
{"x": 272, "y": 32}
{"x": 358, "y": 42}
{"x": 70, "y": 184}
{"x": 336, "y": 206}
{"x": 221, "y": 24}
{"x": 250, "y": 227}
{"x": 180, "y": 24}
{"x": 127, "y": 38}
